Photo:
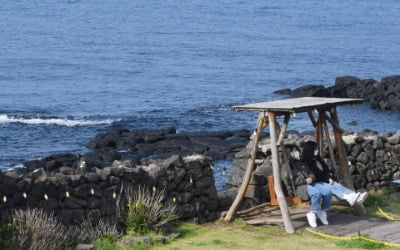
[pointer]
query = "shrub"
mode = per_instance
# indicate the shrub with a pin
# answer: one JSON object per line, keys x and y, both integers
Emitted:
{"x": 38, "y": 230}
{"x": 144, "y": 211}
{"x": 89, "y": 232}
{"x": 104, "y": 244}
{"x": 7, "y": 234}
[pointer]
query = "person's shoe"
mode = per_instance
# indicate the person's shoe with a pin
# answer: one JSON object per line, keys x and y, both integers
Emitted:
{"x": 312, "y": 219}
{"x": 351, "y": 198}
{"x": 323, "y": 217}
{"x": 362, "y": 197}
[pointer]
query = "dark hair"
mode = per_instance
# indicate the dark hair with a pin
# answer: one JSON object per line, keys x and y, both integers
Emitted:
{"x": 308, "y": 151}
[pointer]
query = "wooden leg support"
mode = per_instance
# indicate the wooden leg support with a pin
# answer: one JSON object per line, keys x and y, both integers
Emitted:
{"x": 277, "y": 179}
{"x": 249, "y": 169}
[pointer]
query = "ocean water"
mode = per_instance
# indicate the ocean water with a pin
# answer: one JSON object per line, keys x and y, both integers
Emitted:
{"x": 70, "y": 69}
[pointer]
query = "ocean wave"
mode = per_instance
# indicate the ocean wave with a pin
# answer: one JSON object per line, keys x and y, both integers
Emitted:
{"x": 216, "y": 109}
{"x": 68, "y": 122}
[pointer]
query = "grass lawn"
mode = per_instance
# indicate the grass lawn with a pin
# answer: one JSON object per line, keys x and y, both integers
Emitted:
{"x": 238, "y": 235}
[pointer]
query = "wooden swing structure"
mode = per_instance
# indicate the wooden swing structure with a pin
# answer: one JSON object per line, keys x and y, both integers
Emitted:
{"x": 325, "y": 109}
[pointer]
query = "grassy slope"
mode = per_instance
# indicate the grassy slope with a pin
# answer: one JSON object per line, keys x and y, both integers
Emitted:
{"x": 239, "y": 236}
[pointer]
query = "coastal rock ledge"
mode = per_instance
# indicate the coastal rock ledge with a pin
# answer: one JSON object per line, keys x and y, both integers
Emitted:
{"x": 381, "y": 95}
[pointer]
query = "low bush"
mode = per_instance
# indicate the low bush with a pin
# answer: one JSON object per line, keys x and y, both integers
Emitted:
{"x": 7, "y": 232}
{"x": 146, "y": 211}
{"x": 37, "y": 230}
{"x": 89, "y": 232}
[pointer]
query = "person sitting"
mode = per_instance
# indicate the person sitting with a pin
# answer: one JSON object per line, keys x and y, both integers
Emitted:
{"x": 324, "y": 180}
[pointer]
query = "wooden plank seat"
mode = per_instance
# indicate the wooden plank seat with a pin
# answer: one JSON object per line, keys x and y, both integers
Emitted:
{"x": 274, "y": 201}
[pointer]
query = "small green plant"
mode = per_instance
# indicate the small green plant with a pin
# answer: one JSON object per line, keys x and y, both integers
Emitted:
{"x": 360, "y": 243}
{"x": 138, "y": 246}
{"x": 138, "y": 218}
{"x": 240, "y": 223}
{"x": 89, "y": 232}
{"x": 376, "y": 200}
{"x": 146, "y": 211}
{"x": 187, "y": 230}
{"x": 7, "y": 235}
{"x": 104, "y": 244}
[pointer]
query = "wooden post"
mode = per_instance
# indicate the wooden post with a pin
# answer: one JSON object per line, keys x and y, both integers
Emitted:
{"x": 321, "y": 134}
{"x": 282, "y": 131}
{"x": 249, "y": 169}
{"x": 285, "y": 157}
{"x": 312, "y": 119}
{"x": 347, "y": 180}
{"x": 277, "y": 179}
{"x": 344, "y": 169}
{"x": 334, "y": 124}
{"x": 330, "y": 147}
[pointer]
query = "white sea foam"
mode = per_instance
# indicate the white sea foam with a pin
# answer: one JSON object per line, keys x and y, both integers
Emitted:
{"x": 52, "y": 121}
{"x": 15, "y": 167}
{"x": 215, "y": 110}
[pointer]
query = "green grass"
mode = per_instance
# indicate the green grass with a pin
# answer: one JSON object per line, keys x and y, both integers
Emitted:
{"x": 381, "y": 200}
{"x": 240, "y": 235}
{"x": 220, "y": 235}
{"x": 104, "y": 245}
{"x": 364, "y": 244}
{"x": 376, "y": 199}
{"x": 137, "y": 246}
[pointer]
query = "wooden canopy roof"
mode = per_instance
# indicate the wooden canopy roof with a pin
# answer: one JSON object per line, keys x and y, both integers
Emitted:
{"x": 297, "y": 105}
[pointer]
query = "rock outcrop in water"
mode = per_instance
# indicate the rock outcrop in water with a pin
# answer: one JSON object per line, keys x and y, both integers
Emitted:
{"x": 138, "y": 146}
{"x": 381, "y": 95}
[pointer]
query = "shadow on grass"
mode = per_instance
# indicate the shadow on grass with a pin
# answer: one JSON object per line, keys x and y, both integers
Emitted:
{"x": 188, "y": 230}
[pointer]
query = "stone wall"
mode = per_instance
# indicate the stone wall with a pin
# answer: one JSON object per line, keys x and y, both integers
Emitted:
{"x": 374, "y": 162}
{"x": 74, "y": 191}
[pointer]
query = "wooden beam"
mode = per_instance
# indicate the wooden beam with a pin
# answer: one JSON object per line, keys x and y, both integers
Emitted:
{"x": 285, "y": 156}
{"x": 312, "y": 119}
{"x": 283, "y": 129}
{"x": 344, "y": 169}
{"x": 347, "y": 180}
{"x": 330, "y": 146}
{"x": 275, "y": 220}
{"x": 265, "y": 123}
{"x": 277, "y": 180}
{"x": 249, "y": 169}
{"x": 334, "y": 124}
{"x": 317, "y": 133}
{"x": 320, "y": 133}
{"x": 252, "y": 209}
{"x": 262, "y": 206}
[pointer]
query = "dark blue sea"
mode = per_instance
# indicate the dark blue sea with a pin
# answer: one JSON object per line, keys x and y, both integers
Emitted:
{"x": 70, "y": 69}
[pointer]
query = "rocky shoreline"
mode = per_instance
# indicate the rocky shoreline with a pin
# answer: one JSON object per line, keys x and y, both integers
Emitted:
{"x": 384, "y": 94}
{"x": 141, "y": 146}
